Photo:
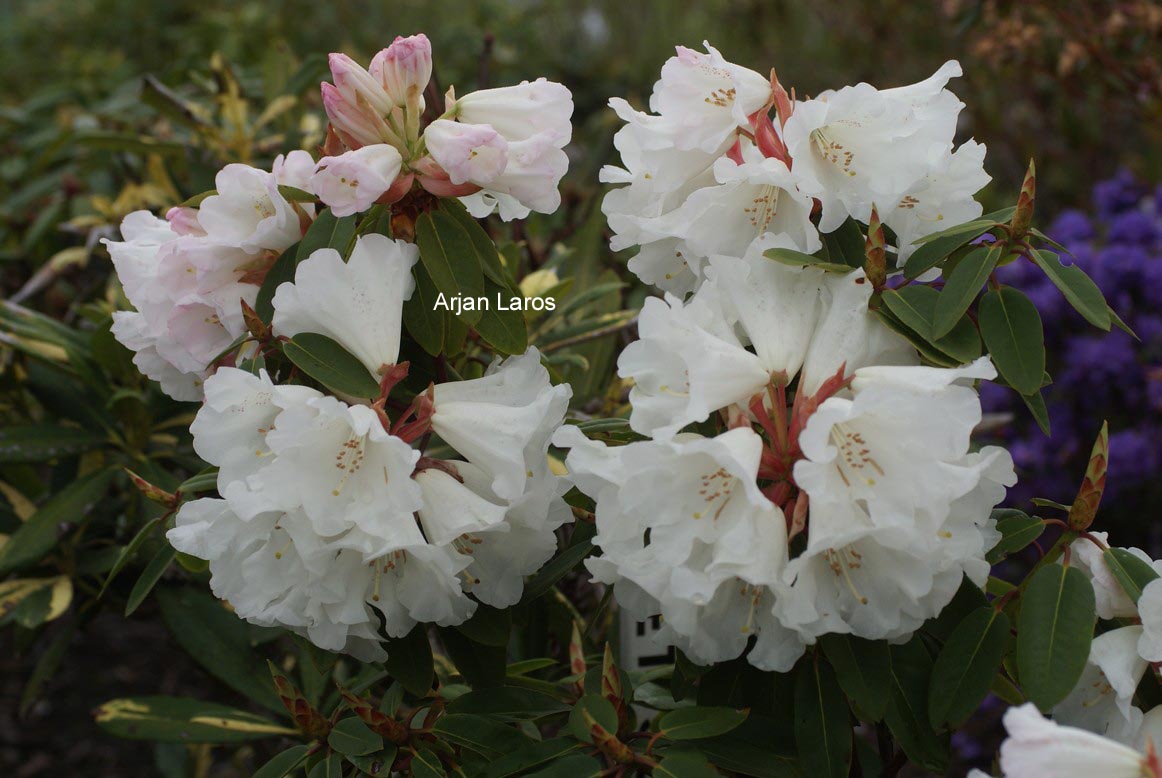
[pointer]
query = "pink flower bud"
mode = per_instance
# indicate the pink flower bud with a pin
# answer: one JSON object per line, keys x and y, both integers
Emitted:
{"x": 352, "y": 182}
{"x": 357, "y": 104}
{"x": 404, "y": 68}
{"x": 473, "y": 153}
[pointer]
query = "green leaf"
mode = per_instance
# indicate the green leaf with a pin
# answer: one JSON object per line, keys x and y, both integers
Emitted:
{"x": 599, "y": 708}
{"x": 1079, "y": 289}
{"x": 37, "y": 536}
{"x": 486, "y": 252}
{"x": 294, "y": 195}
{"x": 482, "y": 666}
{"x": 760, "y": 747}
{"x": 966, "y": 666}
{"x": 378, "y": 764}
{"x": 580, "y": 546}
{"x": 1011, "y": 328}
{"x": 507, "y": 703}
{"x": 283, "y": 763}
{"x": 536, "y": 753}
{"x": 1017, "y": 530}
{"x": 45, "y": 442}
{"x": 863, "y": 668}
{"x": 907, "y": 713}
{"x": 685, "y": 765}
{"x": 331, "y": 365}
{"x": 205, "y": 481}
{"x": 700, "y": 721}
{"x": 426, "y": 764}
{"x": 149, "y": 577}
{"x": 570, "y": 766}
{"x": 183, "y": 720}
{"x": 409, "y": 661}
{"x": 423, "y": 320}
{"x": 331, "y": 766}
{"x": 351, "y": 737}
{"x": 799, "y": 259}
{"x": 934, "y": 248}
{"x": 129, "y": 550}
{"x": 327, "y": 231}
{"x": 822, "y": 721}
{"x": 1132, "y": 572}
{"x": 483, "y": 735}
{"x": 846, "y": 244}
{"x": 504, "y": 330}
{"x": 489, "y": 626}
{"x": 915, "y": 307}
{"x": 1036, "y": 404}
{"x": 1054, "y": 632}
{"x": 449, "y": 255}
{"x": 218, "y": 640}
{"x": 962, "y": 286}
{"x": 282, "y": 271}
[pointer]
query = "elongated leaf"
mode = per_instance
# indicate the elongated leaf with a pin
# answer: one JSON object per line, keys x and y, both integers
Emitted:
{"x": 598, "y": 709}
{"x": 481, "y": 734}
{"x": 508, "y": 703}
{"x": 351, "y": 737}
{"x": 327, "y": 231}
{"x": 822, "y": 721}
{"x": 533, "y": 755}
{"x": 907, "y": 713}
{"x": 183, "y": 720}
{"x": 1017, "y": 530}
{"x": 700, "y": 721}
{"x": 129, "y": 550}
{"x": 149, "y": 577}
{"x": 218, "y": 640}
{"x": 936, "y": 247}
{"x": 282, "y": 764}
{"x": 331, "y": 365}
{"x": 581, "y": 546}
{"x": 423, "y": 320}
{"x": 1133, "y": 573}
{"x": 409, "y": 661}
{"x": 486, "y": 252}
{"x": 488, "y": 626}
{"x": 799, "y": 259}
{"x": 863, "y": 669}
{"x": 915, "y": 307}
{"x": 1036, "y": 404}
{"x": 378, "y": 764}
{"x": 504, "y": 330}
{"x": 962, "y": 286}
{"x": 1011, "y": 328}
{"x": 45, "y": 442}
{"x": 482, "y": 666}
{"x": 845, "y": 245}
{"x": 966, "y": 666}
{"x": 685, "y": 765}
{"x": 36, "y": 536}
{"x": 1054, "y": 632}
{"x": 282, "y": 271}
{"x": 449, "y": 255}
{"x": 1079, "y": 289}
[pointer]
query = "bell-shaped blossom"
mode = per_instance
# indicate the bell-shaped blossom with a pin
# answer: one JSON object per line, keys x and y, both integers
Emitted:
{"x": 527, "y": 126}
{"x": 248, "y": 211}
{"x": 1038, "y": 748}
{"x": 705, "y": 99}
{"x": 357, "y": 303}
{"x": 860, "y": 146}
{"x": 502, "y": 421}
{"x": 1103, "y": 699}
{"x": 795, "y": 319}
{"x": 353, "y": 181}
{"x": 470, "y": 153}
{"x": 1150, "y": 611}
{"x": 1110, "y": 599}
{"x": 686, "y": 533}
{"x": 943, "y": 198}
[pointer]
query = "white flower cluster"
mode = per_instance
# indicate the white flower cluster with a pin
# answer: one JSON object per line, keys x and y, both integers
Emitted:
{"x": 710, "y": 173}
{"x": 858, "y": 505}
{"x": 332, "y": 519}
{"x": 186, "y": 274}
{"x": 495, "y": 149}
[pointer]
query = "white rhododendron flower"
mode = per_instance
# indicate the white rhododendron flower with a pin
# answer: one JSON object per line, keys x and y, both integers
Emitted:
{"x": 248, "y": 211}
{"x": 1110, "y": 599}
{"x": 1103, "y": 700}
{"x": 353, "y": 181}
{"x": 358, "y": 303}
{"x": 1040, "y": 748}
{"x": 510, "y": 147}
{"x": 1150, "y": 611}
{"x": 859, "y": 146}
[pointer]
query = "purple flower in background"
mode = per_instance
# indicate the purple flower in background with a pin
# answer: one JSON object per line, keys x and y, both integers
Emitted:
{"x": 1097, "y": 375}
